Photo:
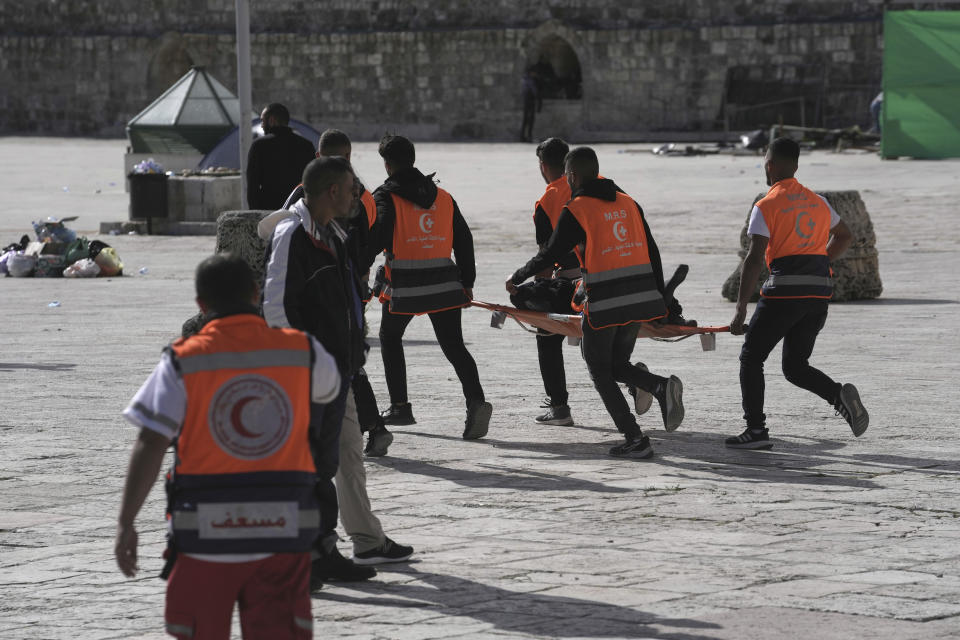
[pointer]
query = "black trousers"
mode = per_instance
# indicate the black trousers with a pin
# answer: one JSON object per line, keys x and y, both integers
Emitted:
{"x": 607, "y": 354}
{"x": 797, "y": 323}
{"x": 529, "y": 114}
{"x": 449, "y": 332}
{"x": 550, "y": 354}
{"x": 553, "y": 295}
{"x": 325, "y": 423}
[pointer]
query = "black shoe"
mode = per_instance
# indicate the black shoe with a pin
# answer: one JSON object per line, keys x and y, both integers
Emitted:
{"x": 636, "y": 447}
{"x": 399, "y": 415}
{"x": 378, "y": 440}
{"x": 642, "y": 400}
{"x": 478, "y": 420}
{"x": 849, "y": 406}
{"x": 556, "y": 414}
{"x": 331, "y": 566}
{"x": 750, "y": 439}
{"x": 389, "y": 551}
{"x": 670, "y": 396}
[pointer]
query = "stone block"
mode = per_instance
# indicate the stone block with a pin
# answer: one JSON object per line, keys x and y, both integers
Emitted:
{"x": 237, "y": 233}
{"x": 856, "y": 273}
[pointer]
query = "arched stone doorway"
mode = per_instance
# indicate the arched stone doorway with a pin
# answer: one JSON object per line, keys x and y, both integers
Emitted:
{"x": 557, "y": 69}
{"x": 169, "y": 63}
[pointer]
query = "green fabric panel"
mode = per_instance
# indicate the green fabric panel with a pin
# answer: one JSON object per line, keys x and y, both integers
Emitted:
{"x": 921, "y": 84}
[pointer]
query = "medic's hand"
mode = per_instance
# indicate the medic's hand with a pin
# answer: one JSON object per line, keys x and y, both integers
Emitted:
{"x": 511, "y": 288}
{"x": 125, "y": 550}
{"x": 736, "y": 325}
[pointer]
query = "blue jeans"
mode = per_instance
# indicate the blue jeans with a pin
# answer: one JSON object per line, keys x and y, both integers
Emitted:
{"x": 796, "y": 322}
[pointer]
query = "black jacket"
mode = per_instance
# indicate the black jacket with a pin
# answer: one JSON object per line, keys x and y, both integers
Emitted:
{"x": 275, "y": 166}
{"x": 419, "y": 189}
{"x": 312, "y": 285}
{"x": 569, "y": 234}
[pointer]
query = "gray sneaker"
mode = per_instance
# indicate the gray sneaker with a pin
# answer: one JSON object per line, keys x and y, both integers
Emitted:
{"x": 670, "y": 396}
{"x": 478, "y": 420}
{"x": 849, "y": 406}
{"x": 642, "y": 400}
{"x": 556, "y": 415}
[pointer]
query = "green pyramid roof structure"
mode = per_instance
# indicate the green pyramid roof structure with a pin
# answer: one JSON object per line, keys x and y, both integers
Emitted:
{"x": 189, "y": 117}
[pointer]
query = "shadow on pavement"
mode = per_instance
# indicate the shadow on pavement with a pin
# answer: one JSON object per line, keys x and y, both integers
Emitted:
{"x": 499, "y": 476}
{"x": 513, "y": 611}
{"x": 896, "y": 301}
{"x": 51, "y": 366}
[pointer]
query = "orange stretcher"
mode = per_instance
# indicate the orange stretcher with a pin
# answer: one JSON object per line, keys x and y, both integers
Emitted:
{"x": 569, "y": 325}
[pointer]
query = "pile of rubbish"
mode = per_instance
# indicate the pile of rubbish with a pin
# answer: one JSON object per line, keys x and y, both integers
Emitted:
{"x": 58, "y": 251}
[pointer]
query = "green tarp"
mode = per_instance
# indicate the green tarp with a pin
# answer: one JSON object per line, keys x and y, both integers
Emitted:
{"x": 921, "y": 84}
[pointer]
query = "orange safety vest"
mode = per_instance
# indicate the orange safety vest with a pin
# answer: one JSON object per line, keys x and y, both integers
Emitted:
{"x": 366, "y": 200}
{"x": 554, "y": 199}
{"x": 799, "y": 224}
{"x": 621, "y": 287}
{"x": 422, "y": 278}
{"x": 243, "y": 480}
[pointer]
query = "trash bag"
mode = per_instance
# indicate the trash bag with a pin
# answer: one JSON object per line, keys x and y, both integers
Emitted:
{"x": 77, "y": 250}
{"x": 3, "y": 260}
{"x": 49, "y": 266}
{"x": 85, "y": 268}
{"x": 109, "y": 262}
{"x": 20, "y": 265}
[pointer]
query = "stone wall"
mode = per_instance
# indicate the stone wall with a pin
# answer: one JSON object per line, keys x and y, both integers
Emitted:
{"x": 448, "y": 69}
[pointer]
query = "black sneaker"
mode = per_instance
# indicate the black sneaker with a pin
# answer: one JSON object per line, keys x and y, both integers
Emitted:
{"x": 849, "y": 406}
{"x": 331, "y": 566}
{"x": 389, "y": 551}
{"x": 378, "y": 440}
{"x": 478, "y": 420}
{"x": 750, "y": 439}
{"x": 670, "y": 396}
{"x": 642, "y": 400}
{"x": 555, "y": 414}
{"x": 399, "y": 415}
{"x": 636, "y": 447}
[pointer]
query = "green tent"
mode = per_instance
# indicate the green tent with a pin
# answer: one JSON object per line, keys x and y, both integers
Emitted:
{"x": 921, "y": 84}
{"x": 192, "y": 116}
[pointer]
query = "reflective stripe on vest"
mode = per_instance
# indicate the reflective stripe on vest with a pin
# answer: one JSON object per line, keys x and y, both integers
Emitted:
{"x": 620, "y": 283}
{"x": 422, "y": 277}
{"x": 244, "y": 477}
{"x": 179, "y": 630}
{"x": 244, "y": 513}
{"x": 799, "y": 223}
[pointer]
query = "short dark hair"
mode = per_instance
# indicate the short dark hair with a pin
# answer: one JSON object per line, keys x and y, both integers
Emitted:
{"x": 552, "y": 152}
{"x": 785, "y": 149}
{"x": 333, "y": 140}
{"x": 397, "y": 150}
{"x": 583, "y": 161}
{"x": 278, "y": 111}
{"x": 323, "y": 172}
{"x": 225, "y": 282}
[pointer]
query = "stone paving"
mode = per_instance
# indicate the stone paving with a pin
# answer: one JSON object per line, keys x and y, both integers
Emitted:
{"x": 532, "y": 532}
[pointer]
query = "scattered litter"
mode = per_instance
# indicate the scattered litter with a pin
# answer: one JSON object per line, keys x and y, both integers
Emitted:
{"x": 59, "y": 251}
{"x": 55, "y": 303}
{"x": 147, "y": 166}
{"x": 65, "y": 188}
{"x": 143, "y": 271}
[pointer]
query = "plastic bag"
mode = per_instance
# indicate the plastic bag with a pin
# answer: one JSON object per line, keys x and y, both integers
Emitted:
{"x": 49, "y": 266}
{"x": 77, "y": 250}
{"x": 85, "y": 268}
{"x": 109, "y": 262}
{"x": 3, "y": 261}
{"x": 20, "y": 265}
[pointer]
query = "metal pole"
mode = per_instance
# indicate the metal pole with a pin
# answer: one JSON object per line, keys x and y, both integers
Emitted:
{"x": 244, "y": 91}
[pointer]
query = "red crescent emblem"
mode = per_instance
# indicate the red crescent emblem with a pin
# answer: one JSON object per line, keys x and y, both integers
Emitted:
{"x": 236, "y": 419}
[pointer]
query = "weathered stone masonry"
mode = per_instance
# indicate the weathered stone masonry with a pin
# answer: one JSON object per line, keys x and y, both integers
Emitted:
{"x": 448, "y": 69}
